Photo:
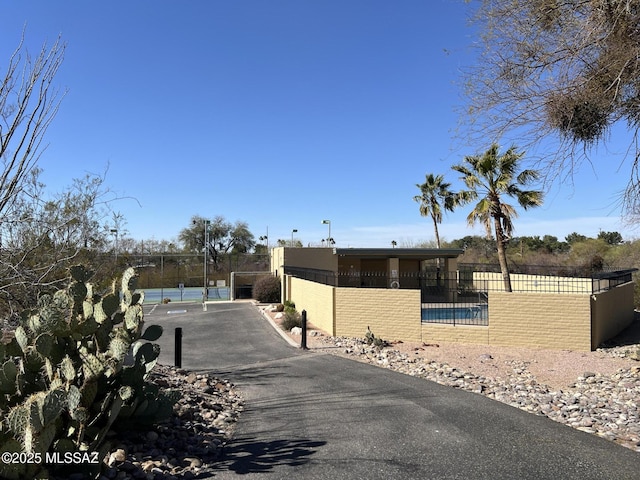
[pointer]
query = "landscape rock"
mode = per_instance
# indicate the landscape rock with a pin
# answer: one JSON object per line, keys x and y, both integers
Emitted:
{"x": 189, "y": 444}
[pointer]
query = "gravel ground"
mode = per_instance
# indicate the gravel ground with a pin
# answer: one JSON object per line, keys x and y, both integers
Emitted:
{"x": 189, "y": 445}
{"x": 556, "y": 368}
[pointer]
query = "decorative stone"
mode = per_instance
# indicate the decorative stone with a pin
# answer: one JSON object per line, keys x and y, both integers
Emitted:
{"x": 189, "y": 444}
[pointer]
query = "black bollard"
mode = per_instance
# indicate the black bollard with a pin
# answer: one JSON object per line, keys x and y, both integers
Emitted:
{"x": 178, "y": 348}
{"x": 303, "y": 339}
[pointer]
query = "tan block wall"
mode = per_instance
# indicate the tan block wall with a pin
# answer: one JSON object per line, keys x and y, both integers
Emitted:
{"x": 533, "y": 283}
{"x": 391, "y": 314}
{"x": 611, "y": 312}
{"x": 561, "y": 322}
{"x": 469, "y": 334}
{"x": 316, "y": 299}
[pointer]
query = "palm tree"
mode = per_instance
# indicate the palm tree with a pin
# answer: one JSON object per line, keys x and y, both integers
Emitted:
{"x": 490, "y": 177}
{"x": 434, "y": 191}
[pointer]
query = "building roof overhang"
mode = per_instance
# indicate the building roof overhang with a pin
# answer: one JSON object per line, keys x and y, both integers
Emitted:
{"x": 406, "y": 253}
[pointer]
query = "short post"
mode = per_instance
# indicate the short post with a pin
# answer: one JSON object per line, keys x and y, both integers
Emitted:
{"x": 178, "y": 348}
{"x": 303, "y": 339}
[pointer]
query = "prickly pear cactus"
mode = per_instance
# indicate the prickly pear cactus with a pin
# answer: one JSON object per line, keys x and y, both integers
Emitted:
{"x": 63, "y": 379}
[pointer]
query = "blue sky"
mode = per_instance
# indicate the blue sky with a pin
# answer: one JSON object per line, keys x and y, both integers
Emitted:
{"x": 278, "y": 113}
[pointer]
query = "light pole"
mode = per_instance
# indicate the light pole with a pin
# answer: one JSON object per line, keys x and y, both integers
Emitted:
{"x": 206, "y": 248}
{"x": 205, "y": 292}
{"x": 329, "y": 239}
{"x": 295, "y": 230}
{"x": 162, "y": 276}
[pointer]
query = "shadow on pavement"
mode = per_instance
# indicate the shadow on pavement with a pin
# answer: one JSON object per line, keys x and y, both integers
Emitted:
{"x": 251, "y": 455}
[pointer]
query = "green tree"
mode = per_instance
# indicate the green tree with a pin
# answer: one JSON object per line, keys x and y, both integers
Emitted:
{"x": 281, "y": 242}
{"x": 220, "y": 238}
{"x": 590, "y": 254}
{"x": 574, "y": 237}
{"x": 435, "y": 195}
{"x": 490, "y": 177}
{"x": 566, "y": 69}
{"x": 475, "y": 248}
{"x": 611, "y": 238}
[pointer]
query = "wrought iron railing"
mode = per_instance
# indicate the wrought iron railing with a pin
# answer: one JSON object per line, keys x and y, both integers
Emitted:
{"x": 437, "y": 284}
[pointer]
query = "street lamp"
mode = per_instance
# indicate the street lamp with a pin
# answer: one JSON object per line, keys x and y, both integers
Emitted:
{"x": 295, "y": 230}
{"x": 329, "y": 239}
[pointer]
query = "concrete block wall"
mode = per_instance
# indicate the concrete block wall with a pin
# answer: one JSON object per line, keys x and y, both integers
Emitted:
{"x": 611, "y": 312}
{"x": 533, "y": 283}
{"x": 317, "y": 299}
{"x": 442, "y": 333}
{"x": 391, "y": 314}
{"x": 561, "y": 322}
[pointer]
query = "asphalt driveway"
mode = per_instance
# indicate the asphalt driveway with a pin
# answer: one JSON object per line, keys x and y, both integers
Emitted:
{"x": 311, "y": 415}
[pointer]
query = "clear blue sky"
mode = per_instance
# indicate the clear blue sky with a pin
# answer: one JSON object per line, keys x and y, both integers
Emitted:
{"x": 278, "y": 113}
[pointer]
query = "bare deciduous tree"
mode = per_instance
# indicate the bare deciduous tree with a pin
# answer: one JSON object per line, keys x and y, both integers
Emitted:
{"x": 40, "y": 234}
{"x": 43, "y": 234}
{"x": 562, "y": 70}
{"x": 28, "y": 104}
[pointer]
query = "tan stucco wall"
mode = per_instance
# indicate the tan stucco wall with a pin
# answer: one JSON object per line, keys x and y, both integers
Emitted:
{"x": 391, "y": 314}
{"x": 561, "y": 322}
{"x": 317, "y": 300}
{"x": 611, "y": 312}
{"x": 307, "y": 257}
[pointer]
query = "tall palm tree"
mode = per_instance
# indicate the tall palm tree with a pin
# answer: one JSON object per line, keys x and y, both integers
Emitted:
{"x": 434, "y": 196}
{"x": 490, "y": 177}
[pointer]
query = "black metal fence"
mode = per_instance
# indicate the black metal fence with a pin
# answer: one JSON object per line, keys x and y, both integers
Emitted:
{"x": 438, "y": 285}
{"x": 168, "y": 270}
{"x": 461, "y": 297}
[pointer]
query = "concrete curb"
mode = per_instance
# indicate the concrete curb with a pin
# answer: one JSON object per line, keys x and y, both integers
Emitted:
{"x": 281, "y": 332}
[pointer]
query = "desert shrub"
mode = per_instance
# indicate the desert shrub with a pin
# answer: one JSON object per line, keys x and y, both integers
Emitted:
{"x": 267, "y": 289}
{"x": 371, "y": 339}
{"x": 291, "y": 319}
{"x": 289, "y": 304}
